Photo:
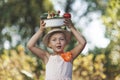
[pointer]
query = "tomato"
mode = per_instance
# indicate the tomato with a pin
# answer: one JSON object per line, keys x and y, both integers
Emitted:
{"x": 67, "y": 15}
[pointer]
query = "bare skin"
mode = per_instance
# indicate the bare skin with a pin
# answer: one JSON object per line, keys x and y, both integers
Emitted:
{"x": 57, "y": 42}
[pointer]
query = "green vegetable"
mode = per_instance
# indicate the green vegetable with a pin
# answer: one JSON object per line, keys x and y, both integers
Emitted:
{"x": 44, "y": 16}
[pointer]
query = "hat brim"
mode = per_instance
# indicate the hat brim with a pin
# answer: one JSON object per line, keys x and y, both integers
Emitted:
{"x": 65, "y": 32}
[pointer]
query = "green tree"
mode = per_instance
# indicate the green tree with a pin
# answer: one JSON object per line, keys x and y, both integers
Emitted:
{"x": 20, "y": 17}
{"x": 111, "y": 19}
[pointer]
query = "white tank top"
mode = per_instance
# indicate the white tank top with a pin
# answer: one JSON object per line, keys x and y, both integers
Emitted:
{"x": 58, "y": 69}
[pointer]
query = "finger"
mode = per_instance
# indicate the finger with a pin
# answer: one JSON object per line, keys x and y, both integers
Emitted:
{"x": 66, "y": 22}
{"x": 42, "y": 21}
{"x": 67, "y": 19}
{"x": 43, "y": 24}
{"x": 64, "y": 25}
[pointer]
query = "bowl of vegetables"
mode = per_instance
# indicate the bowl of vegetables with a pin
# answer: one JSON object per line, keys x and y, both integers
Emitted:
{"x": 54, "y": 19}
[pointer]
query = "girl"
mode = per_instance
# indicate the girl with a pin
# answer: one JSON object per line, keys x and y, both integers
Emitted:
{"x": 59, "y": 64}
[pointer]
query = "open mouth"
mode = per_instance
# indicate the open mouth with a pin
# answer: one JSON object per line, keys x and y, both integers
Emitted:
{"x": 58, "y": 47}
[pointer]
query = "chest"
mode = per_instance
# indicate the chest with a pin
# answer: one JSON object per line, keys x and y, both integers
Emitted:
{"x": 57, "y": 63}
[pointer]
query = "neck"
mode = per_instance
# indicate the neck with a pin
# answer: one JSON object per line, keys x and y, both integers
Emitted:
{"x": 58, "y": 53}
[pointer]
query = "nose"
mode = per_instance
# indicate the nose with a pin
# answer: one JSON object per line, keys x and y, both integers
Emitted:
{"x": 58, "y": 41}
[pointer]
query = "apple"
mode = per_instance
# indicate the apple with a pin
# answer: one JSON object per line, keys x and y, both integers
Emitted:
{"x": 67, "y": 15}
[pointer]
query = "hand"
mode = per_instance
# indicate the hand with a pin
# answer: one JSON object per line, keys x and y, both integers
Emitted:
{"x": 68, "y": 23}
{"x": 42, "y": 25}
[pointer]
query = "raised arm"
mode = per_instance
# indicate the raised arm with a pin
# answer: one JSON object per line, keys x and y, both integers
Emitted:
{"x": 32, "y": 44}
{"x": 80, "y": 39}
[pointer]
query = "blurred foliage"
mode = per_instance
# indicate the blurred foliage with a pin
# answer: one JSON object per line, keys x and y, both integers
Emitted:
{"x": 93, "y": 67}
{"x": 15, "y": 64}
{"x": 21, "y": 18}
{"x": 111, "y": 19}
{"x": 89, "y": 67}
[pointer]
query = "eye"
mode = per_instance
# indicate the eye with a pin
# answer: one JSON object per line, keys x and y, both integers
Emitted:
{"x": 62, "y": 39}
{"x": 53, "y": 39}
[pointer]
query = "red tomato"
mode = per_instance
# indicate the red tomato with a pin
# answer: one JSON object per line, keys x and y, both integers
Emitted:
{"x": 67, "y": 15}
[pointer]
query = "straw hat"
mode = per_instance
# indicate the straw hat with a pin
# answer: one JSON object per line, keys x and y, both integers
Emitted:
{"x": 54, "y": 30}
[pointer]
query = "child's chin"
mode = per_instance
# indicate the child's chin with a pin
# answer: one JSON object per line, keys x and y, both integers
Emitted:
{"x": 59, "y": 51}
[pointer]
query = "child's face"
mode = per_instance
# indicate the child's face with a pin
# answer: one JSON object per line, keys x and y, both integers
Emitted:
{"x": 57, "y": 42}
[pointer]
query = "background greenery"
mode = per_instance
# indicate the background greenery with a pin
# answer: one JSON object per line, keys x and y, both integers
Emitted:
{"x": 19, "y": 20}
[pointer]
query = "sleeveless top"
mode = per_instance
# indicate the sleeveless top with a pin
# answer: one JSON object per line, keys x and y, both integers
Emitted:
{"x": 58, "y": 69}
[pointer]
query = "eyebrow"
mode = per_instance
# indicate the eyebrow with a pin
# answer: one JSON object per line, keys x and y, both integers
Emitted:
{"x": 55, "y": 33}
